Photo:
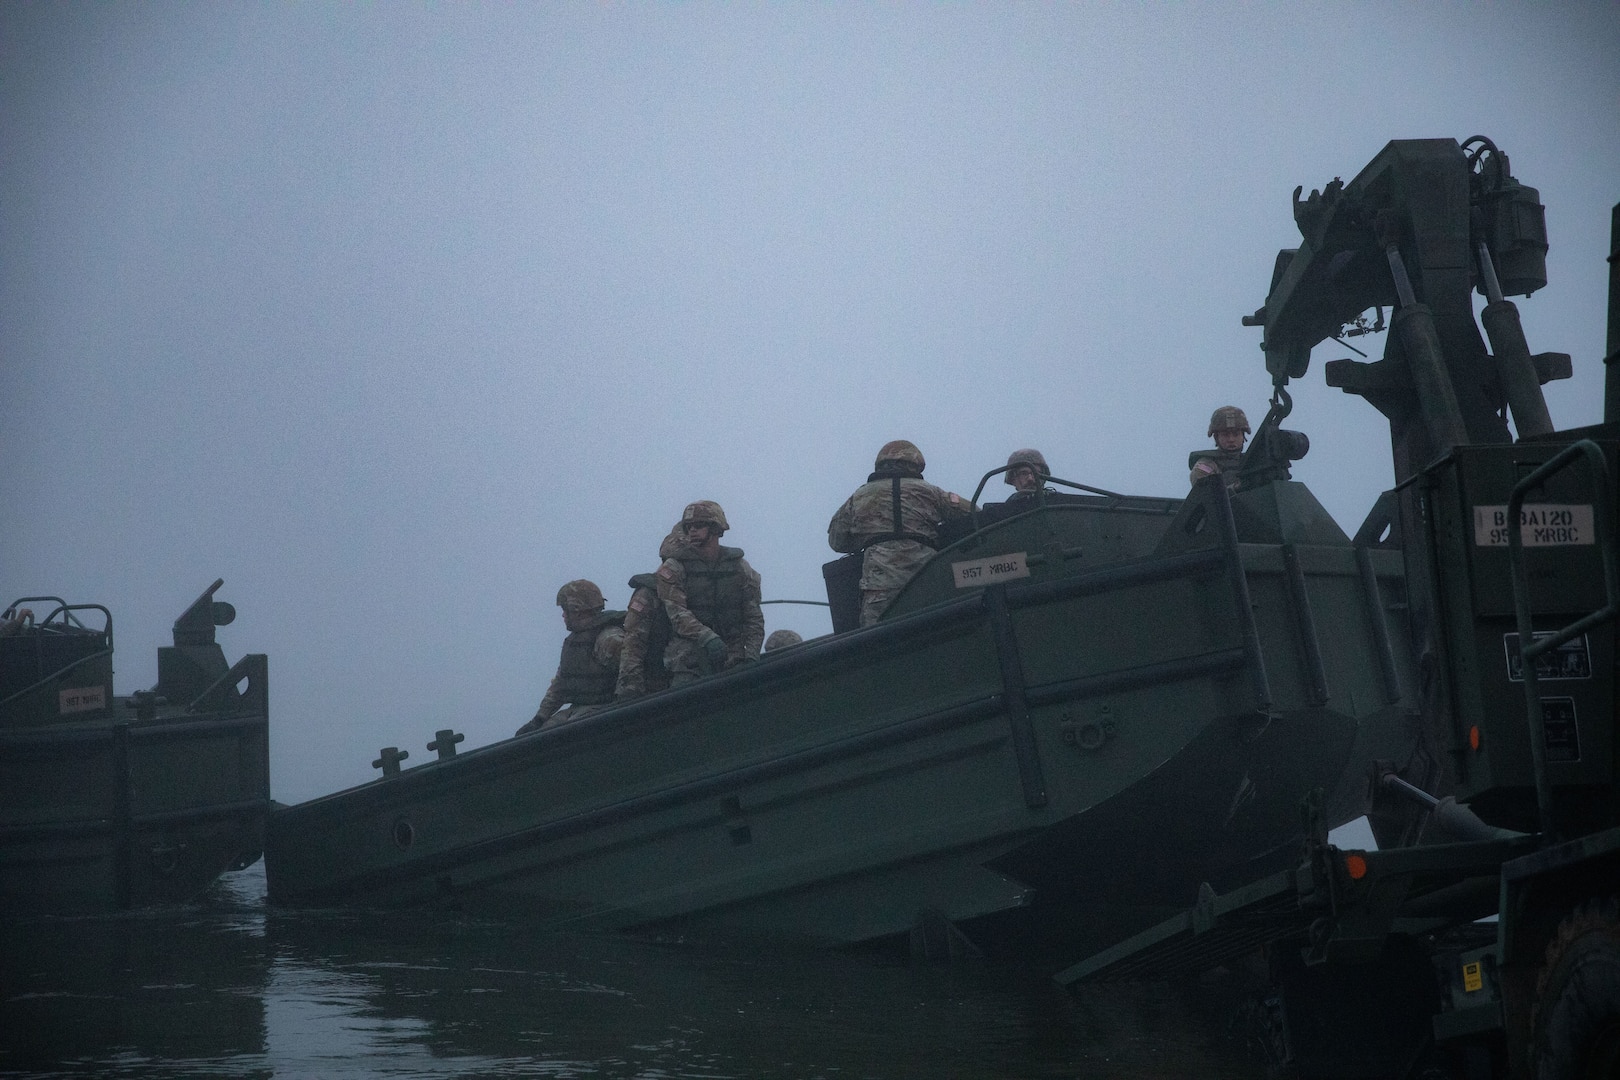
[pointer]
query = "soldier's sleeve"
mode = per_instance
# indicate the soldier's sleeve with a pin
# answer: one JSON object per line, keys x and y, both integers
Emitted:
{"x": 633, "y": 652}
{"x": 936, "y": 505}
{"x": 840, "y": 531}
{"x": 551, "y": 702}
{"x": 672, "y": 592}
{"x": 1203, "y": 467}
{"x": 644, "y": 605}
{"x": 753, "y": 632}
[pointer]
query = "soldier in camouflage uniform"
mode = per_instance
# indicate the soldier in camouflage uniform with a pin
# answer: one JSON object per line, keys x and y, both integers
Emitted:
{"x": 589, "y": 666}
{"x": 646, "y": 632}
{"x": 712, "y": 596}
{"x": 1027, "y": 474}
{"x": 1230, "y": 429}
{"x": 894, "y": 519}
{"x": 1026, "y": 471}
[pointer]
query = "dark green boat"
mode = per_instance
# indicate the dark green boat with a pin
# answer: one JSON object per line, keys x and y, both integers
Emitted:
{"x": 1066, "y": 721}
{"x": 111, "y": 802}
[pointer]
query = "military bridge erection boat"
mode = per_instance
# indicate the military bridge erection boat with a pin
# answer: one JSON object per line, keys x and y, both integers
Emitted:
{"x": 110, "y": 802}
{"x": 1066, "y": 721}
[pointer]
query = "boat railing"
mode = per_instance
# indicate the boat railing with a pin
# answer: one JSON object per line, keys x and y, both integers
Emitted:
{"x": 62, "y": 621}
{"x": 62, "y": 618}
{"x": 1113, "y": 497}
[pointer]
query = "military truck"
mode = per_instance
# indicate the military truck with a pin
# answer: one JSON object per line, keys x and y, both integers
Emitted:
{"x": 110, "y": 801}
{"x": 1482, "y": 937}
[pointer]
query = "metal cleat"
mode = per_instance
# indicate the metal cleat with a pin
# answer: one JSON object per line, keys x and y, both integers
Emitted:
{"x": 444, "y": 741}
{"x": 389, "y": 760}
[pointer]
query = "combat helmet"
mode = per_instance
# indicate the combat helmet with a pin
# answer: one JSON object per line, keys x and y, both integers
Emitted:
{"x": 902, "y": 452}
{"x": 1228, "y": 418}
{"x": 705, "y": 510}
{"x": 581, "y": 595}
{"x": 1032, "y": 458}
{"x": 672, "y": 543}
{"x": 781, "y": 639}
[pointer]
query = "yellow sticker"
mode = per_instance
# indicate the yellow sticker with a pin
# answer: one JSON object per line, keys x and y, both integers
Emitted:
{"x": 1472, "y": 980}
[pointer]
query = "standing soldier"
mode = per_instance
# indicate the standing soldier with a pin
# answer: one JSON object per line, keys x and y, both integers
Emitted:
{"x": 1230, "y": 428}
{"x": 646, "y": 632}
{"x": 894, "y": 518}
{"x": 589, "y": 666}
{"x": 712, "y": 596}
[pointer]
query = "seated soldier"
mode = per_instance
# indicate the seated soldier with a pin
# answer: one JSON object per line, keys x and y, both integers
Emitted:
{"x": 589, "y": 666}
{"x": 711, "y": 596}
{"x": 1026, "y": 474}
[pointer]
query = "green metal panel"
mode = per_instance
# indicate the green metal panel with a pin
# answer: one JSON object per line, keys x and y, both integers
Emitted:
{"x": 1566, "y": 580}
{"x": 137, "y": 802}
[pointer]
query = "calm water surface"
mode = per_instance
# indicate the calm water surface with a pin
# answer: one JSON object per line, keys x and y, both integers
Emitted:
{"x": 230, "y": 988}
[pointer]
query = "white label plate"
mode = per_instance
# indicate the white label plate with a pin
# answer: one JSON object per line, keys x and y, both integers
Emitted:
{"x": 81, "y": 699}
{"x": 976, "y": 572}
{"x": 1540, "y": 525}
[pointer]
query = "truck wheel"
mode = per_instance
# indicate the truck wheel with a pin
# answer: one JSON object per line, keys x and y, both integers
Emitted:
{"x": 1576, "y": 1017}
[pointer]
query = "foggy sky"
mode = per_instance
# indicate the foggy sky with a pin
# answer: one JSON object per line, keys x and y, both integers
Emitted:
{"x": 398, "y": 316}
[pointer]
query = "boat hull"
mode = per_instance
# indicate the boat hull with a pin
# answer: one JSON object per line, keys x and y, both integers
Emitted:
{"x": 1104, "y": 739}
{"x": 121, "y": 812}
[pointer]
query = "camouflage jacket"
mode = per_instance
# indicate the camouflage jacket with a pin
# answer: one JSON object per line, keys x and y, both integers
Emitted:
{"x": 589, "y": 666}
{"x": 722, "y": 596}
{"x": 1208, "y": 462}
{"x": 646, "y": 630}
{"x": 895, "y": 520}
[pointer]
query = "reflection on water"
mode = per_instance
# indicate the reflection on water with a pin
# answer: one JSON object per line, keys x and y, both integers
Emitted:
{"x": 226, "y": 988}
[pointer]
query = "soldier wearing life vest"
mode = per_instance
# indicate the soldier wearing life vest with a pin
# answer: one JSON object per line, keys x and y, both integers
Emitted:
{"x": 711, "y": 596}
{"x": 1230, "y": 429}
{"x": 589, "y": 667}
{"x": 646, "y": 631}
{"x": 894, "y": 519}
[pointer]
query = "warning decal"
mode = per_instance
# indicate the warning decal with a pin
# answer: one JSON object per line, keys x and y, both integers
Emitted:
{"x": 1563, "y": 734}
{"x": 1571, "y": 660}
